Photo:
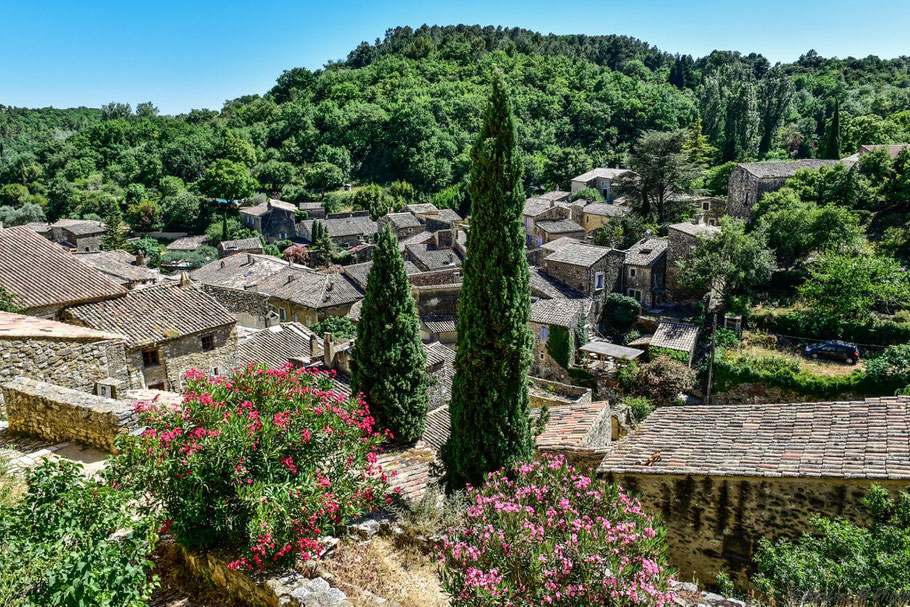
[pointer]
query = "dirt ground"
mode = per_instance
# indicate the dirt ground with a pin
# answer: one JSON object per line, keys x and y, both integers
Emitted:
{"x": 399, "y": 574}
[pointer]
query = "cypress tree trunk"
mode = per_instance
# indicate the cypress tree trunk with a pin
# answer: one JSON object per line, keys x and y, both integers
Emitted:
{"x": 832, "y": 135}
{"x": 389, "y": 363}
{"x": 489, "y": 409}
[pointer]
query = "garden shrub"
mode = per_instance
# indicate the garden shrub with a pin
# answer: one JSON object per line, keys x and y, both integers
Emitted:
{"x": 620, "y": 312}
{"x": 56, "y": 544}
{"x": 559, "y": 345}
{"x": 811, "y": 326}
{"x": 726, "y": 338}
{"x": 341, "y": 327}
{"x": 839, "y": 559}
{"x": 625, "y": 375}
{"x": 542, "y": 534}
{"x": 641, "y": 407}
{"x": 892, "y": 367}
{"x": 266, "y": 460}
{"x": 662, "y": 380}
{"x": 677, "y": 355}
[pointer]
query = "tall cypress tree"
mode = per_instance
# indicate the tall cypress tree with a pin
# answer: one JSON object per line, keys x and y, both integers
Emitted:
{"x": 389, "y": 360}
{"x": 489, "y": 409}
{"x": 831, "y": 149}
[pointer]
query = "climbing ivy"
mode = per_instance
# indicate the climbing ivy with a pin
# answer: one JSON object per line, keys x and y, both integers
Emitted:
{"x": 559, "y": 345}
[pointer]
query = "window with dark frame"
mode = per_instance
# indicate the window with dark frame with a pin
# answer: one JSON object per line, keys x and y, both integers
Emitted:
{"x": 208, "y": 343}
{"x": 150, "y": 358}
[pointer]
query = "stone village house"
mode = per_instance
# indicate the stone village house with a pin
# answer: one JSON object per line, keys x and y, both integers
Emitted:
{"x": 538, "y": 210}
{"x": 241, "y": 245}
{"x": 78, "y": 234}
{"x": 643, "y": 271}
{"x": 42, "y": 278}
{"x": 547, "y": 314}
{"x": 600, "y": 179}
{"x": 274, "y": 219}
{"x": 169, "y": 330}
{"x": 594, "y": 271}
{"x": 749, "y": 181}
{"x": 253, "y": 287}
{"x": 682, "y": 240}
{"x": 723, "y": 476}
{"x": 345, "y": 229}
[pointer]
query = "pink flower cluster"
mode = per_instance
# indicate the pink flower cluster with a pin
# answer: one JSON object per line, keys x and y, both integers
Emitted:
{"x": 542, "y": 534}
{"x": 272, "y": 454}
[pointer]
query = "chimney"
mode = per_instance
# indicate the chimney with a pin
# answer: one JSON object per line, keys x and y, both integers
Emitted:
{"x": 698, "y": 219}
{"x": 185, "y": 280}
{"x": 140, "y": 259}
{"x": 222, "y": 264}
{"x": 272, "y": 320}
{"x": 290, "y": 278}
{"x": 328, "y": 351}
{"x": 314, "y": 346}
{"x": 249, "y": 259}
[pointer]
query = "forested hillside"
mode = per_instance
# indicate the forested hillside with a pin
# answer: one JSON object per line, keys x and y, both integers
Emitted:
{"x": 405, "y": 109}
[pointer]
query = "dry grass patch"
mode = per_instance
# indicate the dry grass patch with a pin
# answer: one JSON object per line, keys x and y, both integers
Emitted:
{"x": 764, "y": 346}
{"x": 399, "y": 574}
{"x": 179, "y": 587}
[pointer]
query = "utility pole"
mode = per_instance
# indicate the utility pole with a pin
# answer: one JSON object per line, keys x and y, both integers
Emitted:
{"x": 711, "y": 363}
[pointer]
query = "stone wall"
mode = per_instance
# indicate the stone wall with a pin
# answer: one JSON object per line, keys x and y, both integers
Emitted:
{"x": 714, "y": 523}
{"x": 177, "y": 356}
{"x": 744, "y": 190}
{"x": 554, "y": 394}
{"x": 441, "y": 300}
{"x": 679, "y": 246}
{"x": 281, "y": 589}
{"x": 645, "y": 280}
{"x": 60, "y": 414}
{"x": 249, "y": 307}
{"x": 70, "y": 363}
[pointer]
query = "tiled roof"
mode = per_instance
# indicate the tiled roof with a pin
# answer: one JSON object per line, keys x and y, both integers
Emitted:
{"x": 17, "y": 326}
{"x": 560, "y": 312}
{"x": 560, "y": 226}
{"x": 425, "y": 207}
{"x": 274, "y": 346}
{"x": 242, "y": 244}
{"x": 544, "y": 285}
{"x": 422, "y": 237}
{"x": 694, "y": 229}
{"x": 265, "y": 207}
{"x": 403, "y": 220}
{"x": 862, "y": 439}
{"x": 119, "y": 265}
{"x": 188, "y": 243}
{"x": 535, "y": 206}
{"x": 358, "y": 272}
{"x": 279, "y": 279}
{"x": 450, "y": 215}
{"x": 409, "y": 469}
{"x": 153, "y": 315}
{"x": 559, "y": 243}
{"x": 355, "y": 311}
{"x": 600, "y": 172}
{"x": 439, "y": 324}
{"x": 80, "y": 227}
{"x": 39, "y": 273}
{"x": 573, "y": 425}
{"x": 556, "y": 196}
{"x": 340, "y": 227}
{"x": 675, "y": 336}
{"x": 776, "y": 170}
{"x": 611, "y": 350}
{"x": 432, "y": 258}
{"x": 585, "y": 255}
{"x": 447, "y": 353}
{"x": 436, "y": 431}
{"x": 646, "y": 251}
{"x": 605, "y": 210}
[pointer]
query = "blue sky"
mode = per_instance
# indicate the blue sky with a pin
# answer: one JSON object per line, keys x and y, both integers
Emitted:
{"x": 192, "y": 54}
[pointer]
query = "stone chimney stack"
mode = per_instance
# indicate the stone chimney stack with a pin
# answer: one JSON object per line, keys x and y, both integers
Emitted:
{"x": 328, "y": 351}
{"x": 185, "y": 280}
{"x": 314, "y": 346}
{"x": 140, "y": 259}
{"x": 698, "y": 219}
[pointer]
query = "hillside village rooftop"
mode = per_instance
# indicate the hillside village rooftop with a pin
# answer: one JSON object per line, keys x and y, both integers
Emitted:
{"x": 867, "y": 439}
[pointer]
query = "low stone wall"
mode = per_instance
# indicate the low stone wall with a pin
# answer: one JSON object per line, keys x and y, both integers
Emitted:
{"x": 555, "y": 394}
{"x": 60, "y": 414}
{"x": 285, "y": 589}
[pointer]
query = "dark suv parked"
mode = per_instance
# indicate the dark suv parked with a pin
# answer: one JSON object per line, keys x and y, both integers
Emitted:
{"x": 835, "y": 350}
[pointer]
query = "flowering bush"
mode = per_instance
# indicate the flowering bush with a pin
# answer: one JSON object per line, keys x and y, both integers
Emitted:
{"x": 267, "y": 460}
{"x": 550, "y": 536}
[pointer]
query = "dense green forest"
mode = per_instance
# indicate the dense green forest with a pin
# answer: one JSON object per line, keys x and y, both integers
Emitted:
{"x": 406, "y": 108}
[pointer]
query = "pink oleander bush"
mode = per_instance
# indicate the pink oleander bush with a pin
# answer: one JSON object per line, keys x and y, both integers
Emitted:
{"x": 542, "y": 534}
{"x": 264, "y": 461}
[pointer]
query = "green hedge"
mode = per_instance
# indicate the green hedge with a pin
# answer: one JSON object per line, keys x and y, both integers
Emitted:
{"x": 731, "y": 370}
{"x": 676, "y": 355}
{"x": 809, "y": 326}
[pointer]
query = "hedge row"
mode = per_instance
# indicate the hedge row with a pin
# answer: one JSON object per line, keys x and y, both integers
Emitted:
{"x": 810, "y": 326}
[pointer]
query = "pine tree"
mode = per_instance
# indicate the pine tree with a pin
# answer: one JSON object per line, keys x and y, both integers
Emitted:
{"x": 389, "y": 361}
{"x": 321, "y": 248}
{"x": 489, "y": 410}
{"x": 831, "y": 148}
{"x": 114, "y": 238}
{"x": 698, "y": 149}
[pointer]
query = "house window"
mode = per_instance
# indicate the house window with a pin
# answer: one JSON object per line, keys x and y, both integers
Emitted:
{"x": 309, "y": 321}
{"x": 599, "y": 281}
{"x": 712, "y": 222}
{"x": 544, "y": 331}
{"x": 528, "y": 240}
{"x": 527, "y": 222}
{"x": 150, "y": 358}
{"x": 632, "y": 272}
{"x": 541, "y": 356}
{"x": 296, "y": 317}
{"x": 587, "y": 220}
{"x": 635, "y": 294}
{"x": 706, "y": 205}
{"x": 208, "y": 343}
{"x": 282, "y": 314}
{"x": 539, "y": 239}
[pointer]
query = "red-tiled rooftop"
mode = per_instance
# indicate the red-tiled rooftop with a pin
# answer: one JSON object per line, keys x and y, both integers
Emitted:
{"x": 18, "y": 326}
{"x": 574, "y": 425}
{"x": 862, "y": 439}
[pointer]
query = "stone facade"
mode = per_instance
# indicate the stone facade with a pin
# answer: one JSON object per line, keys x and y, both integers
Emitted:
{"x": 640, "y": 282}
{"x": 250, "y": 307}
{"x": 60, "y": 414}
{"x": 70, "y": 363}
{"x": 681, "y": 242}
{"x": 177, "y": 356}
{"x": 714, "y": 523}
{"x": 585, "y": 278}
{"x": 553, "y": 213}
{"x": 749, "y": 181}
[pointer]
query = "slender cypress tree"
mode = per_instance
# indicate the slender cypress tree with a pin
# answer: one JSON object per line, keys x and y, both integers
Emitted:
{"x": 389, "y": 361}
{"x": 832, "y": 135}
{"x": 489, "y": 409}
